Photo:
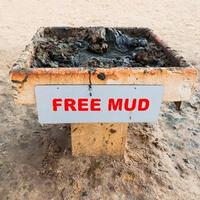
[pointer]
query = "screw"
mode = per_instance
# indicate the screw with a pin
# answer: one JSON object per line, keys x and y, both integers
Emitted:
{"x": 101, "y": 76}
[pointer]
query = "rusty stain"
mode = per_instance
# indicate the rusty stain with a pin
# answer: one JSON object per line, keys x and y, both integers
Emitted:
{"x": 74, "y": 129}
{"x": 112, "y": 130}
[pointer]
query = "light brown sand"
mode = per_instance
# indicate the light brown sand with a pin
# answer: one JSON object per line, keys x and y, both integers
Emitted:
{"x": 32, "y": 160}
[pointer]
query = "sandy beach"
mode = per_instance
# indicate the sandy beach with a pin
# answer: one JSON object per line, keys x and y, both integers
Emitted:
{"x": 162, "y": 160}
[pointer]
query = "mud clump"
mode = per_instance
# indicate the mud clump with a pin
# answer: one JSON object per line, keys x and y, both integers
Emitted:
{"x": 98, "y": 47}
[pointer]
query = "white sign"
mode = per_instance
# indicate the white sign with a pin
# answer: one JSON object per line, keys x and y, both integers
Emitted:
{"x": 98, "y": 103}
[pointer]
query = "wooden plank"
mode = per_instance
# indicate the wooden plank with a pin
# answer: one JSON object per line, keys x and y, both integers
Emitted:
{"x": 178, "y": 82}
{"x": 98, "y": 139}
{"x": 24, "y": 82}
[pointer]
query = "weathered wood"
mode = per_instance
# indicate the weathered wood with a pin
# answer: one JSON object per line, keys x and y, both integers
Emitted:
{"x": 98, "y": 139}
{"x": 178, "y": 105}
{"x": 178, "y": 82}
{"x": 102, "y": 138}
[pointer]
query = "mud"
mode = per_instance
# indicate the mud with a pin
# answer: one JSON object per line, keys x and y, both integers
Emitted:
{"x": 98, "y": 47}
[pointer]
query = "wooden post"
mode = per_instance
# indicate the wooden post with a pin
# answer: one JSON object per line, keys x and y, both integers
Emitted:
{"x": 98, "y": 139}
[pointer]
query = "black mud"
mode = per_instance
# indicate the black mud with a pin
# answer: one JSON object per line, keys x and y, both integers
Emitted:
{"x": 98, "y": 47}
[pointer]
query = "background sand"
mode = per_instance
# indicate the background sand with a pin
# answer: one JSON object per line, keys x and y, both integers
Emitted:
{"x": 162, "y": 160}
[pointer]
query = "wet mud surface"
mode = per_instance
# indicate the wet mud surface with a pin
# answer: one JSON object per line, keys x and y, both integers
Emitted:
{"x": 98, "y": 47}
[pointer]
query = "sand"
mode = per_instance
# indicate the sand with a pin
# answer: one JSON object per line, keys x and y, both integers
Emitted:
{"x": 162, "y": 160}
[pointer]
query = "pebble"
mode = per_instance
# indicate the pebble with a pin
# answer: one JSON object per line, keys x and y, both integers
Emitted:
{"x": 83, "y": 194}
{"x": 171, "y": 187}
{"x": 194, "y": 133}
{"x": 186, "y": 160}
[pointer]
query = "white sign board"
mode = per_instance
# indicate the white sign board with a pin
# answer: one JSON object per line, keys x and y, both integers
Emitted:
{"x": 98, "y": 103}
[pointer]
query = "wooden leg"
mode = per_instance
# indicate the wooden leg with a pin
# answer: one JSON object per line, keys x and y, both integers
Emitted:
{"x": 178, "y": 105}
{"x": 98, "y": 139}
